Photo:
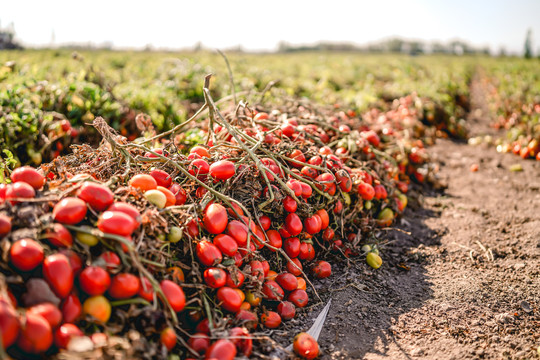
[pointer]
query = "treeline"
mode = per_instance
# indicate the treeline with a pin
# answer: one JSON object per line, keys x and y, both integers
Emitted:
{"x": 393, "y": 45}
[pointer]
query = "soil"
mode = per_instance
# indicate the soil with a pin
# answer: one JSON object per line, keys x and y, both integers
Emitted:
{"x": 465, "y": 284}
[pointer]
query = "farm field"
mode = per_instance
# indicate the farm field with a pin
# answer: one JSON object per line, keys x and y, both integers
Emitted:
{"x": 175, "y": 215}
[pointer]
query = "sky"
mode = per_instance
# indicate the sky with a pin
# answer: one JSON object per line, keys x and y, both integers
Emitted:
{"x": 261, "y": 25}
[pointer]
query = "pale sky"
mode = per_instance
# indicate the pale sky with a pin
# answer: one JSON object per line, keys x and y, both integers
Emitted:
{"x": 258, "y": 25}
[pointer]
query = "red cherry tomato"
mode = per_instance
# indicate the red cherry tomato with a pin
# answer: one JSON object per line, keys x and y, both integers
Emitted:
{"x": 174, "y": 295}
{"x": 325, "y": 219}
{"x": 307, "y": 252}
{"x": 272, "y": 290}
{"x": 222, "y": 170}
{"x": 274, "y": 239}
{"x": 208, "y": 253}
{"x": 241, "y": 338}
{"x": 287, "y": 281}
{"x": 71, "y": 308}
{"x": 293, "y": 224}
{"x": 162, "y": 177}
{"x": 146, "y": 291}
{"x": 257, "y": 269}
{"x": 69, "y": 211}
{"x": 28, "y": 175}
{"x": 20, "y": 190}
{"x": 26, "y": 254}
{"x": 266, "y": 222}
{"x": 94, "y": 280}
{"x": 289, "y": 204}
{"x": 312, "y": 224}
{"x": 74, "y": 260}
{"x": 59, "y": 236}
{"x": 199, "y": 168}
{"x": 49, "y": 312}
{"x": 98, "y": 196}
{"x": 179, "y": 194}
{"x": 322, "y": 269}
{"x": 215, "y": 277}
{"x": 127, "y": 209}
{"x": 199, "y": 342}
{"x": 215, "y": 219}
{"x": 294, "y": 267}
{"x": 328, "y": 234}
{"x": 58, "y": 273}
{"x": 116, "y": 222}
{"x": 235, "y": 279}
{"x": 286, "y": 310}
{"x": 110, "y": 260}
{"x": 63, "y": 335}
{"x": 143, "y": 182}
{"x": 380, "y": 192}
{"x": 226, "y": 244}
{"x": 36, "y": 334}
{"x": 366, "y": 191}
{"x": 221, "y": 350}
{"x": 271, "y": 319}
{"x": 292, "y": 247}
{"x": 237, "y": 230}
{"x": 5, "y": 225}
{"x": 298, "y": 297}
{"x": 168, "y": 338}
{"x": 124, "y": 286}
{"x": 199, "y": 150}
{"x": 9, "y": 324}
{"x": 305, "y": 346}
{"x": 230, "y": 299}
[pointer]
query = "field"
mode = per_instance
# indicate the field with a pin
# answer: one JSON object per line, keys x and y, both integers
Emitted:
{"x": 404, "y": 189}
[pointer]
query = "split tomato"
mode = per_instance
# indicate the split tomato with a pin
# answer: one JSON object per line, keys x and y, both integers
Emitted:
{"x": 272, "y": 290}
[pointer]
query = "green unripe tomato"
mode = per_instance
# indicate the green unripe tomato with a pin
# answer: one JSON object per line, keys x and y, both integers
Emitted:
{"x": 374, "y": 260}
{"x": 86, "y": 239}
{"x": 156, "y": 197}
{"x": 175, "y": 234}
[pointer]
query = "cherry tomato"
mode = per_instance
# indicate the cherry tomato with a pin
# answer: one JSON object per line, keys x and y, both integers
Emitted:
{"x": 222, "y": 170}
{"x": 307, "y": 252}
{"x": 199, "y": 342}
{"x": 385, "y": 217}
{"x": 26, "y": 254}
{"x": 98, "y": 196}
{"x": 272, "y": 290}
{"x": 380, "y": 192}
{"x": 226, "y": 244}
{"x": 94, "y": 280}
{"x": 325, "y": 219}
{"x": 298, "y": 156}
{"x": 287, "y": 281}
{"x": 116, "y": 222}
{"x": 295, "y": 186}
{"x": 69, "y": 211}
{"x": 36, "y": 334}
{"x": 215, "y": 219}
{"x": 293, "y": 224}
{"x": 20, "y": 190}
{"x": 58, "y": 273}
{"x": 257, "y": 269}
{"x": 235, "y": 279}
{"x": 215, "y": 277}
{"x": 237, "y": 230}
{"x": 305, "y": 346}
{"x": 338, "y": 207}
{"x": 162, "y": 177}
{"x": 28, "y": 175}
{"x": 230, "y": 300}
{"x": 312, "y": 224}
{"x": 286, "y": 310}
{"x": 168, "y": 338}
{"x": 294, "y": 267}
{"x": 292, "y": 247}
{"x": 274, "y": 239}
{"x": 298, "y": 297}
{"x": 71, "y": 308}
{"x": 9, "y": 324}
{"x": 271, "y": 319}
{"x": 63, "y": 335}
{"x": 179, "y": 194}
{"x": 193, "y": 229}
{"x": 174, "y": 295}
{"x": 199, "y": 150}
{"x": 127, "y": 209}
{"x": 110, "y": 260}
{"x": 366, "y": 191}
{"x": 124, "y": 286}
{"x": 98, "y": 307}
{"x": 322, "y": 269}
{"x": 169, "y": 196}
{"x": 59, "y": 236}
{"x": 199, "y": 168}
{"x": 74, "y": 260}
{"x": 5, "y": 225}
{"x": 143, "y": 182}
{"x": 49, "y": 312}
{"x": 146, "y": 291}
{"x": 221, "y": 350}
{"x": 289, "y": 204}
{"x": 208, "y": 253}
{"x": 241, "y": 338}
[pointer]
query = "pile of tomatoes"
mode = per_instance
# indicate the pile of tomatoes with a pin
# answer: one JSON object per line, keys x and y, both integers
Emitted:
{"x": 197, "y": 251}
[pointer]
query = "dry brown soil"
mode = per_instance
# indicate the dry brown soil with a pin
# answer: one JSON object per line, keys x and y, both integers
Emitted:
{"x": 465, "y": 284}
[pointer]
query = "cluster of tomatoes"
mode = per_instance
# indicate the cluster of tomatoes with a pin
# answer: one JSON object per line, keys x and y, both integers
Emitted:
{"x": 70, "y": 289}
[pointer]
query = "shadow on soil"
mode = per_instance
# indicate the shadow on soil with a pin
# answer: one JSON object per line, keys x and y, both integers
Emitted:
{"x": 366, "y": 303}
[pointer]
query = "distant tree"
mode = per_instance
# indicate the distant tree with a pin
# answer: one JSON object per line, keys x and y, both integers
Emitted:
{"x": 528, "y": 45}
